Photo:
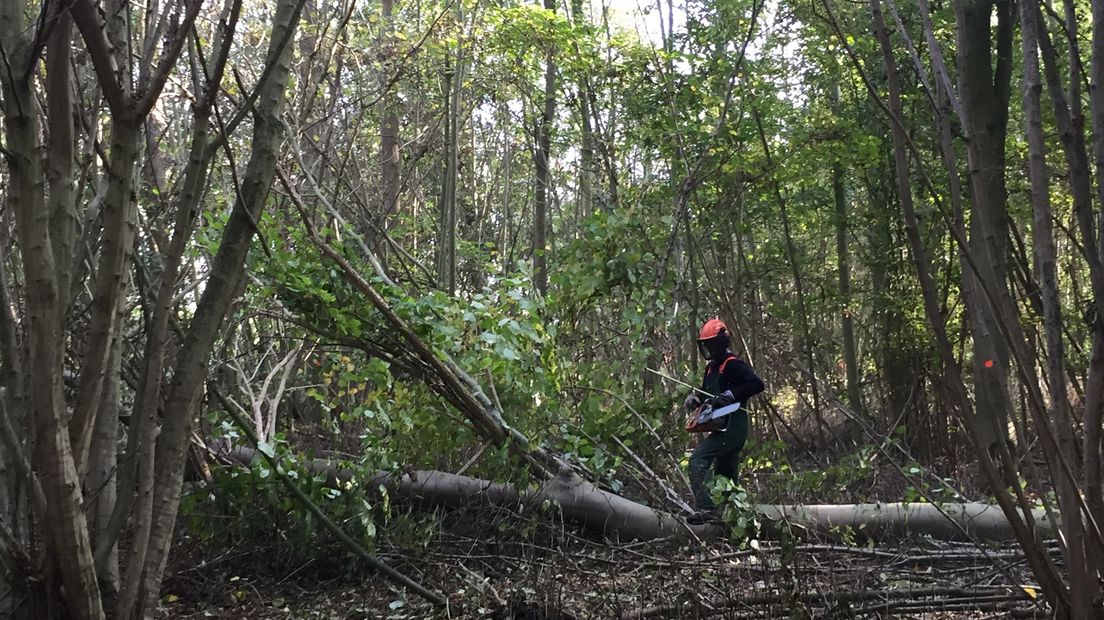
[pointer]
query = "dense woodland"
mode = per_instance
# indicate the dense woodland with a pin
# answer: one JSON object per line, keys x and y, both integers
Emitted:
{"x": 264, "y": 265}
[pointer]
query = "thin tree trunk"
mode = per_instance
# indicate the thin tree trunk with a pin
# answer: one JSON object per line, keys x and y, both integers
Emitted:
{"x": 115, "y": 248}
{"x": 390, "y": 157}
{"x": 944, "y": 103}
{"x": 139, "y": 467}
{"x": 101, "y": 482}
{"x": 129, "y": 109}
{"x": 1094, "y": 405}
{"x": 585, "y": 199}
{"x": 897, "y": 374}
{"x": 59, "y": 173}
{"x": 1072, "y": 136}
{"x": 446, "y": 246}
{"x": 850, "y": 354}
{"x": 542, "y": 161}
{"x": 795, "y": 269}
{"x": 507, "y": 187}
{"x": 148, "y": 395}
{"x": 1096, "y": 106}
{"x": 16, "y": 477}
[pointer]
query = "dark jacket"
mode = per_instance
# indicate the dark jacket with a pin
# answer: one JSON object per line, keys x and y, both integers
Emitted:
{"x": 737, "y": 379}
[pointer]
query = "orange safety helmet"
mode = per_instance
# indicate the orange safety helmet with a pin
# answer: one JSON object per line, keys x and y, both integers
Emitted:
{"x": 712, "y": 328}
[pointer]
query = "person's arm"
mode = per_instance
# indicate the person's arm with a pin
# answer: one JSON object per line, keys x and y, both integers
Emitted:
{"x": 742, "y": 381}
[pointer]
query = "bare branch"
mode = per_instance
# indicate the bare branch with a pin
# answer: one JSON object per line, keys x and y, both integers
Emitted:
{"x": 165, "y": 64}
{"x": 99, "y": 49}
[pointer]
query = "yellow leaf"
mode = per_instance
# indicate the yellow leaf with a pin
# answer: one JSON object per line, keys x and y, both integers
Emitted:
{"x": 1030, "y": 591}
{"x": 327, "y": 381}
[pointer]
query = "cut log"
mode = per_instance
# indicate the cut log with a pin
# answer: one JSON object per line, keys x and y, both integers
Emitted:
{"x": 579, "y": 501}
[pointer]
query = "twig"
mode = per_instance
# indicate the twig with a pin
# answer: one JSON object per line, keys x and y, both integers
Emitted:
{"x": 474, "y": 458}
{"x": 671, "y": 495}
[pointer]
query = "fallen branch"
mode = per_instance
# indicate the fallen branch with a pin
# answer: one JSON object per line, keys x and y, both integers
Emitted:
{"x": 984, "y": 603}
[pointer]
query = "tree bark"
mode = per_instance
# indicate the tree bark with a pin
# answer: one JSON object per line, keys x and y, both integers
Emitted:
{"x": 116, "y": 244}
{"x": 985, "y": 88}
{"x": 141, "y": 448}
{"x": 1072, "y": 136}
{"x": 1071, "y": 131}
{"x": 101, "y": 484}
{"x": 946, "y": 102}
{"x": 64, "y": 223}
{"x": 129, "y": 105}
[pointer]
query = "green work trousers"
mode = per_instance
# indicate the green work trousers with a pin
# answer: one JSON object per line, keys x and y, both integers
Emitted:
{"x": 720, "y": 452}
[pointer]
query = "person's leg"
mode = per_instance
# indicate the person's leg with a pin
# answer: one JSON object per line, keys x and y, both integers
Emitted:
{"x": 728, "y": 465}
{"x": 735, "y": 436}
{"x": 701, "y": 461}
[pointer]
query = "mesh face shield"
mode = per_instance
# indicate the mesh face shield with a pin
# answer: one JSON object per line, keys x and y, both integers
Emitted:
{"x": 714, "y": 346}
{"x": 703, "y": 349}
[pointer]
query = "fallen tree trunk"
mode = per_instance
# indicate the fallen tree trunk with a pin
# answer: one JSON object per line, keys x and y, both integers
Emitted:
{"x": 579, "y": 501}
{"x": 960, "y": 521}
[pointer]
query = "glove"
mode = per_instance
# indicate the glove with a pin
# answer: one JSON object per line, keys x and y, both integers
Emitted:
{"x": 723, "y": 399}
{"x": 692, "y": 402}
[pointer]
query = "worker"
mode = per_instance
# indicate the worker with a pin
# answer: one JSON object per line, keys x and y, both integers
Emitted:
{"x": 730, "y": 380}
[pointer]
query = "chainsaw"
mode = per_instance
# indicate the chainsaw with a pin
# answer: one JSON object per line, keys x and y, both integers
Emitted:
{"x": 706, "y": 418}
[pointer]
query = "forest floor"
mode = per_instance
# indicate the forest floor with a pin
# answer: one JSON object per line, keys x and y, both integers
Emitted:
{"x": 500, "y": 565}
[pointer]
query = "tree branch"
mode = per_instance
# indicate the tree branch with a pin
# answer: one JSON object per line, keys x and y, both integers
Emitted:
{"x": 99, "y": 50}
{"x": 168, "y": 59}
